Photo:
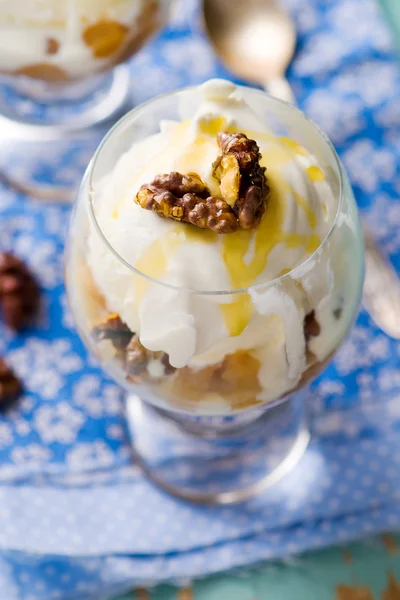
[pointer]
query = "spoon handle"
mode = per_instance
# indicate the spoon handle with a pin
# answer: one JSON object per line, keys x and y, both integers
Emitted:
{"x": 381, "y": 289}
{"x": 279, "y": 87}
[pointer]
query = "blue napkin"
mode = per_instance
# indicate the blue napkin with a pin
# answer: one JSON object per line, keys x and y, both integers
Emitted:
{"x": 77, "y": 520}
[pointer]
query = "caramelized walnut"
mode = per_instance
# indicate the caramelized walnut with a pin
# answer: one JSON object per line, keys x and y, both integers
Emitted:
{"x": 243, "y": 188}
{"x": 242, "y": 180}
{"x": 186, "y": 198}
{"x": 137, "y": 359}
{"x": 245, "y": 151}
{"x": 133, "y": 356}
{"x": 311, "y": 326}
{"x": 10, "y": 385}
{"x": 114, "y": 330}
{"x": 19, "y": 292}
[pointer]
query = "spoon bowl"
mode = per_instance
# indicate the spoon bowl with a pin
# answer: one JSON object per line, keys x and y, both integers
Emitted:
{"x": 255, "y": 39}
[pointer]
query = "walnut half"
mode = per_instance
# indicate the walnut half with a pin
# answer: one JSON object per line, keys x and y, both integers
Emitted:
{"x": 242, "y": 180}
{"x": 186, "y": 198}
{"x": 243, "y": 186}
{"x": 130, "y": 352}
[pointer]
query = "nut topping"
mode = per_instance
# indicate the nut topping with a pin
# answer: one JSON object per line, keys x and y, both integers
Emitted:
{"x": 245, "y": 151}
{"x": 186, "y": 198}
{"x": 227, "y": 171}
{"x": 311, "y": 326}
{"x": 10, "y": 385}
{"x": 136, "y": 357}
{"x": 242, "y": 180}
{"x": 114, "y": 330}
{"x": 19, "y": 292}
{"x": 132, "y": 354}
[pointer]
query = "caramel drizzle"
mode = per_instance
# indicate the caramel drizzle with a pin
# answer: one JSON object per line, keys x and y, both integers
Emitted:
{"x": 235, "y": 247}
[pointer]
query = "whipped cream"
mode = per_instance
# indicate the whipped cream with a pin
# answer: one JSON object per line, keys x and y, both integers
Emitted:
{"x": 195, "y": 329}
{"x": 26, "y": 27}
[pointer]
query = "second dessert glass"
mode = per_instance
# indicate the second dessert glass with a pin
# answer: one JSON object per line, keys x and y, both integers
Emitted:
{"x": 226, "y": 431}
{"x": 62, "y": 75}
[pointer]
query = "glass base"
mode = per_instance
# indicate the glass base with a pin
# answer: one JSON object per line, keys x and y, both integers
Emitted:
{"x": 48, "y": 138}
{"x": 61, "y": 108}
{"x": 218, "y": 460}
{"x": 46, "y": 171}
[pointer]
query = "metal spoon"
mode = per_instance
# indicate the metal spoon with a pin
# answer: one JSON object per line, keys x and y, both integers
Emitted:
{"x": 256, "y": 40}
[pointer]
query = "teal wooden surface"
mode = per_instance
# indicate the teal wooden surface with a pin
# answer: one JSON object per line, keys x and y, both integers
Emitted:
{"x": 368, "y": 570}
{"x": 392, "y": 10}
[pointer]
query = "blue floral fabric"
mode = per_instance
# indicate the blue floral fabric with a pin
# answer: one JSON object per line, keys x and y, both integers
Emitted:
{"x": 77, "y": 519}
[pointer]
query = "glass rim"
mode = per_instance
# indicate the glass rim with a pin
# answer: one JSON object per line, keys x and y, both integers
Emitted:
{"x": 263, "y": 285}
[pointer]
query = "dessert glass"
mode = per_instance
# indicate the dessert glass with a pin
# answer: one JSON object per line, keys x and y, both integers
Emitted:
{"x": 61, "y": 77}
{"x": 208, "y": 434}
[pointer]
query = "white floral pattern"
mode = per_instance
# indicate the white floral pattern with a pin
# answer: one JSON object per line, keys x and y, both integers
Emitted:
{"x": 338, "y": 118}
{"x": 97, "y": 454}
{"x": 34, "y": 454}
{"x": 362, "y": 349}
{"x": 44, "y": 365}
{"x": 381, "y": 162}
{"x": 6, "y": 436}
{"x": 97, "y": 401}
{"x": 59, "y": 423}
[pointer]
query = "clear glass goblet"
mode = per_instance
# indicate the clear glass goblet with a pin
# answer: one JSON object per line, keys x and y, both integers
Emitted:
{"x": 227, "y": 431}
{"x": 62, "y": 81}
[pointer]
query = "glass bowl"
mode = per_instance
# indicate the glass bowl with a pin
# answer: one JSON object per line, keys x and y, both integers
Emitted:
{"x": 221, "y": 432}
{"x": 62, "y": 50}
